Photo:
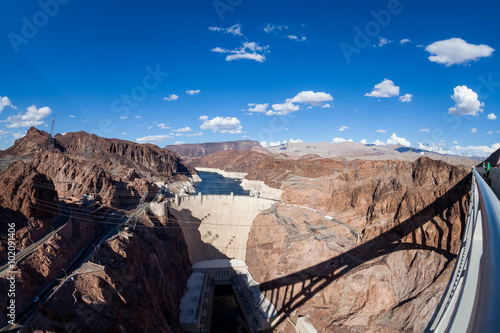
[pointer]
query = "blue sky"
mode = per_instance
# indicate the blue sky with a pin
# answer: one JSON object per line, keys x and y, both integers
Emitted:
{"x": 420, "y": 73}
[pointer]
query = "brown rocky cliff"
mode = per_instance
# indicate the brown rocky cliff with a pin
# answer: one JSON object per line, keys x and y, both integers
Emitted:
{"x": 139, "y": 290}
{"x": 411, "y": 216}
{"x": 159, "y": 161}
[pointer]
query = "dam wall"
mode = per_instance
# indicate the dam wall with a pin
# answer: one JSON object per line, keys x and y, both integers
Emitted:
{"x": 214, "y": 226}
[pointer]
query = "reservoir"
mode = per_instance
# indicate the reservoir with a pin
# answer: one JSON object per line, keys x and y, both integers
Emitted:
{"x": 213, "y": 183}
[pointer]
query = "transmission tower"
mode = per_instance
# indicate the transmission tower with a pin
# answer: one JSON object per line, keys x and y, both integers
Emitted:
{"x": 52, "y": 141}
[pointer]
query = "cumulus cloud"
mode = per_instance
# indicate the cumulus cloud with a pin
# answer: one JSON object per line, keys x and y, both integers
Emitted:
{"x": 304, "y": 97}
{"x": 455, "y": 51}
{"x": 193, "y": 92}
{"x": 230, "y": 125}
{"x": 283, "y": 108}
{"x": 233, "y": 30}
{"x": 172, "y": 97}
{"x": 384, "y": 89}
{"x": 363, "y": 141}
{"x": 343, "y": 128}
{"x": 5, "y": 101}
{"x": 72, "y": 116}
{"x": 311, "y": 97}
{"x": 395, "y": 140}
{"x": 473, "y": 130}
{"x": 295, "y": 141}
{"x": 406, "y": 98}
{"x": 404, "y": 41}
{"x": 339, "y": 140}
{"x": 425, "y": 130}
{"x": 33, "y": 117}
{"x": 153, "y": 138}
{"x": 249, "y": 50}
{"x": 183, "y": 130}
{"x": 492, "y": 116}
{"x": 466, "y": 102}
{"x": 381, "y": 130}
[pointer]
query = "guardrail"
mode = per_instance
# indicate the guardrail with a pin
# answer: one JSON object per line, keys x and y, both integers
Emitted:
{"x": 471, "y": 302}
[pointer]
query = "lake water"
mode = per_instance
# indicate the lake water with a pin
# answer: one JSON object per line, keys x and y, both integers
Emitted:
{"x": 213, "y": 183}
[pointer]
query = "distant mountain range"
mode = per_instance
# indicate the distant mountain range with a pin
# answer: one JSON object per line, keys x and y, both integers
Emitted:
{"x": 195, "y": 150}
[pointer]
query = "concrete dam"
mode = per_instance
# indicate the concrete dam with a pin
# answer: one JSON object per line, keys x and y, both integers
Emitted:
{"x": 214, "y": 226}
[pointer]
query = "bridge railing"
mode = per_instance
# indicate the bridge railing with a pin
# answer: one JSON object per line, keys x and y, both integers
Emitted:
{"x": 471, "y": 302}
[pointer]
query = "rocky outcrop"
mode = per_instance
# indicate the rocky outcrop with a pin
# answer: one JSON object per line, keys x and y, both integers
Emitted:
{"x": 24, "y": 189}
{"x": 194, "y": 150}
{"x": 494, "y": 159}
{"x": 410, "y": 216}
{"x": 139, "y": 289}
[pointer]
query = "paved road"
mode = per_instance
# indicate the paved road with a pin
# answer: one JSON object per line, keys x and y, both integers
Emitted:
{"x": 65, "y": 215}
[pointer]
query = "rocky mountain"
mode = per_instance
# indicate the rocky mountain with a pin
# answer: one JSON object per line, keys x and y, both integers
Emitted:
{"x": 118, "y": 171}
{"x": 494, "y": 159}
{"x": 193, "y": 150}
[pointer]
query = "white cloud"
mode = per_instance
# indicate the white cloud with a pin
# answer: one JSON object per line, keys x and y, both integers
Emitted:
{"x": 33, "y": 117}
{"x": 363, "y": 141}
{"x": 425, "y": 130}
{"x": 122, "y": 117}
{"x": 455, "y": 142}
{"x": 193, "y": 92}
{"x": 381, "y": 131}
{"x": 343, "y": 128}
{"x": 296, "y": 38}
{"x": 269, "y": 27}
{"x": 233, "y": 30}
{"x": 489, "y": 132}
{"x": 138, "y": 117}
{"x": 294, "y": 141}
{"x": 124, "y": 133}
{"x": 229, "y": 125}
{"x": 395, "y": 140}
{"x": 339, "y": 140}
{"x": 153, "y": 138}
{"x": 172, "y": 97}
{"x": 406, "y": 98}
{"x": 466, "y": 102}
{"x": 183, "y": 130}
{"x": 384, "y": 89}
{"x": 178, "y": 143}
{"x": 263, "y": 144}
{"x": 290, "y": 105}
{"x": 163, "y": 126}
{"x": 383, "y": 41}
{"x": 480, "y": 151}
{"x": 5, "y": 101}
{"x": 473, "y": 130}
{"x": 188, "y": 135}
{"x": 379, "y": 143}
{"x": 284, "y": 108}
{"x": 72, "y": 116}
{"x": 404, "y": 41}
{"x": 313, "y": 98}
{"x": 456, "y": 51}
{"x": 249, "y": 50}
{"x": 492, "y": 116}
